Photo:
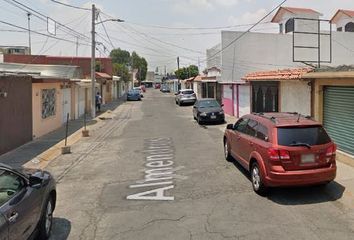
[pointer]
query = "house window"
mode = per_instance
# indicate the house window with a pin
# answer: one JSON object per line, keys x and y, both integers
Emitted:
{"x": 281, "y": 28}
{"x": 340, "y": 29}
{"x": 265, "y": 97}
{"x": 48, "y": 103}
{"x": 349, "y": 27}
{"x": 289, "y": 25}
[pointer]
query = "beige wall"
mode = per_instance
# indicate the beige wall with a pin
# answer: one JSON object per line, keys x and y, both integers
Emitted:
{"x": 295, "y": 96}
{"x": 318, "y": 107}
{"x": 43, "y": 126}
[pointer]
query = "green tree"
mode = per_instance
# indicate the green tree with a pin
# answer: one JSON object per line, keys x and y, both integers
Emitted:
{"x": 124, "y": 59}
{"x": 120, "y": 56}
{"x": 139, "y": 63}
{"x": 187, "y": 72}
{"x": 121, "y": 71}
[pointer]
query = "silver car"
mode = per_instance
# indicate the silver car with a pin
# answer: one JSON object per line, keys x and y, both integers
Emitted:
{"x": 185, "y": 96}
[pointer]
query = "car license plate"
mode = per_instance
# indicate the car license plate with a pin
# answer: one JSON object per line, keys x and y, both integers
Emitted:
{"x": 307, "y": 158}
{"x": 213, "y": 117}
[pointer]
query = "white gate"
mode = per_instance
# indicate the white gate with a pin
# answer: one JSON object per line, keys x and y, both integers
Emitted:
{"x": 66, "y": 103}
{"x": 81, "y": 101}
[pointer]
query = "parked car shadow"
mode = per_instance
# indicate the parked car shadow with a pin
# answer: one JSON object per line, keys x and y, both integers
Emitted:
{"x": 307, "y": 195}
{"x": 300, "y": 195}
{"x": 213, "y": 123}
{"x": 61, "y": 229}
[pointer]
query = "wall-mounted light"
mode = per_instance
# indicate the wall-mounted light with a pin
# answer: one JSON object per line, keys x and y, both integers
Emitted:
{"x": 3, "y": 94}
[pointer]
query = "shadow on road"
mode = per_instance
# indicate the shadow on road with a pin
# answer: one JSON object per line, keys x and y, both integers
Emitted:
{"x": 307, "y": 195}
{"x": 300, "y": 195}
{"x": 61, "y": 229}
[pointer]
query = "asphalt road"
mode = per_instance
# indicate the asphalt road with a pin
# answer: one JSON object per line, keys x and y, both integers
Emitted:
{"x": 152, "y": 173}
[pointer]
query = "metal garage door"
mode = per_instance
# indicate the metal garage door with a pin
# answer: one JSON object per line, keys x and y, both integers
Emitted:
{"x": 338, "y": 116}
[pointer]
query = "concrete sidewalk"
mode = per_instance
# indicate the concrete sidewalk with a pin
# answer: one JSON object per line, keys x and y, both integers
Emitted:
{"x": 48, "y": 147}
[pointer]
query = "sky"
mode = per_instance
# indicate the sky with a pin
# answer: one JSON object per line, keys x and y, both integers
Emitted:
{"x": 158, "y": 30}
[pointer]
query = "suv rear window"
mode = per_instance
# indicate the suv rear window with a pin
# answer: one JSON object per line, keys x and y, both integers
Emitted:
{"x": 299, "y": 136}
{"x": 187, "y": 92}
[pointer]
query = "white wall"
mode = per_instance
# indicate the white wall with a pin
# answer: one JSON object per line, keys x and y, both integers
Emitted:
{"x": 267, "y": 51}
{"x": 214, "y": 56}
{"x": 295, "y": 96}
{"x": 343, "y": 21}
{"x": 301, "y": 25}
{"x": 244, "y": 99}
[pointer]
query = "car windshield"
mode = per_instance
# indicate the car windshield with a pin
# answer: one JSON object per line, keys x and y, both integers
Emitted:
{"x": 302, "y": 136}
{"x": 133, "y": 91}
{"x": 208, "y": 104}
{"x": 187, "y": 92}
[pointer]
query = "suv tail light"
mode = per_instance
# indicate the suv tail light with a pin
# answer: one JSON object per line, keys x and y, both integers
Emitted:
{"x": 331, "y": 151}
{"x": 278, "y": 154}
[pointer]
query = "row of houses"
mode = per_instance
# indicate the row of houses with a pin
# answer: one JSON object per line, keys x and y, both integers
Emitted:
{"x": 38, "y": 92}
{"x": 265, "y": 72}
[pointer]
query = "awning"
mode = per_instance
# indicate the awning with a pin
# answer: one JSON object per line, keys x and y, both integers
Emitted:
{"x": 103, "y": 75}
{"x": 84, "y": 83}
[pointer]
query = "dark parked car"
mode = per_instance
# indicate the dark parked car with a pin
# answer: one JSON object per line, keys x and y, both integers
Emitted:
{"x": 281, "y": 149}
{"x": 27, "y": 199}
{"x": 133, "y": 95}
{"x": 208, "y": 110}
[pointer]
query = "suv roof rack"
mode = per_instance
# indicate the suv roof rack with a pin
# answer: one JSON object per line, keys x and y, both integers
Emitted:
{"x": 261, "y": 114}
{"x": 274, "y": 119}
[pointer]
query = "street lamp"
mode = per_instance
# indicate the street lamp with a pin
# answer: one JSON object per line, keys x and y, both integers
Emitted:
{"x": 93, "y": 60}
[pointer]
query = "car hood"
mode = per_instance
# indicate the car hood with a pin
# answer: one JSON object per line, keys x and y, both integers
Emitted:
{"x": 210, "y": 110}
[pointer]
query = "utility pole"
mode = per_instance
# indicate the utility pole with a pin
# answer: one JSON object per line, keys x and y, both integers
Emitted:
{"x": 77, "y": 46}
{"x": 93, "y": 70}
{"x": 165, "y": 70}
{"x": 29, "y": 32}
{"x": 178, "y": 69}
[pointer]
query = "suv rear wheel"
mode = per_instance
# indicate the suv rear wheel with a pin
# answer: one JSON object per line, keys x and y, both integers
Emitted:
{"x": 256, "y": 179}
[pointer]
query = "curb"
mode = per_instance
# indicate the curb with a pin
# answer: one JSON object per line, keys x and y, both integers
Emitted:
{"x": 42, "y": 160}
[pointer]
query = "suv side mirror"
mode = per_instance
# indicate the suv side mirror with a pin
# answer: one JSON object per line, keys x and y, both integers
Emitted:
{"x": 230, "y": 126}
{"x": 222, "y": 104}
{"x": 35, "y": 182}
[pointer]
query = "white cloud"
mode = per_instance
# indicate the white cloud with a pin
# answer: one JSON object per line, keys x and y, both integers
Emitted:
{"x": 190, "y": 6}
{"x": 248, "y": 17}
{"x": 226, "y": 3}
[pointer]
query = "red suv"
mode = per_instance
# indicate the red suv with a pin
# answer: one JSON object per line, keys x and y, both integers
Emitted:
{"x": 281, "y": 149}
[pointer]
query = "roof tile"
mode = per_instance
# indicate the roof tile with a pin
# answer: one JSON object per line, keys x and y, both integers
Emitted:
{"x": 281, "y": 74}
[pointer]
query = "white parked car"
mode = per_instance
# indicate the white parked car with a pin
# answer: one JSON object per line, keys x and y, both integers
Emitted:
{"x": 185, "y": 96}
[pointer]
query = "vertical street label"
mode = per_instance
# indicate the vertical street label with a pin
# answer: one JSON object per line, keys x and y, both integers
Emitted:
{"x": 159, "y": 171}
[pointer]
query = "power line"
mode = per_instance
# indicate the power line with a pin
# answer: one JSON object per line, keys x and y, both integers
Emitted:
{"x": 72, "y": 6}
{"x": 193, "y": 28}
{"x": 167, "y": 43}
{"x": 43, "y": 17}
{"x": 105, "y": 30}
{"x": 144, "y": 40}
{"x": 39, "y": 33}
{"x": 244, "y": 33}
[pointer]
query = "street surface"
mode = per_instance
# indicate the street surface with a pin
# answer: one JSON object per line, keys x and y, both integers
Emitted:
{"x": 152, "y": 173}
